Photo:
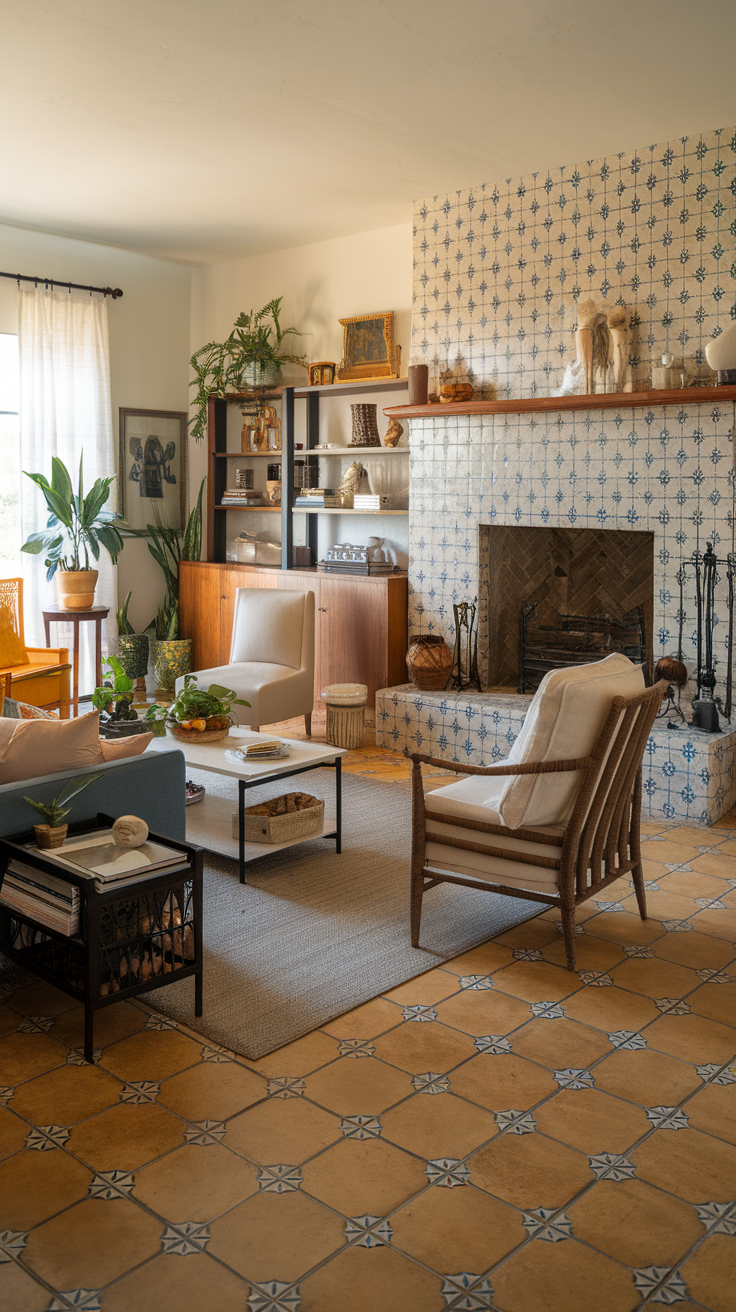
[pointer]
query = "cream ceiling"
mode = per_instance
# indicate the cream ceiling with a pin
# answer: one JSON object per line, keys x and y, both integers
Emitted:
{"x": 201, "y": 130}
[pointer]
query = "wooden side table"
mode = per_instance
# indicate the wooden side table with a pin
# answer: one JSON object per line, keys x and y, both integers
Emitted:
{"x": 76, "y": 617}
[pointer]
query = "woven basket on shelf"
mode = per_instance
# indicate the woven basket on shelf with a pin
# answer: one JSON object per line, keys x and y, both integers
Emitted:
{"x": 282, "y": 819}
{"x": 429, "y": 662}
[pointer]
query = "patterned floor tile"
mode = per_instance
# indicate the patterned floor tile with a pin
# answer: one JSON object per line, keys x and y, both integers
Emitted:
{"x": 537, "y": 981}
{"x": 299, "y": 1058}
{"x": 195, "y": 1184}
{"x": 365, "y": 1022}
{"x": 545, "y": 1277}
{"x": 414, "y": 1047}
{"x": 611, "y": 1008}
{"x": 591, "y": 1120}
{"x": 565, "y": 1043}
{"x": 92, "y": 1243}
{"x": 714, "y": 1111}
{"x": 498, "y": 1082}
{"x": 151, "y": 1055}
{"x": 111, "y": 1025}
{"x": 483, "y": 1013}
{"x": 364, "y": 1279}
{"x": 369, "y": 1178}
{"x": 365, "y": 1086}
{"x": 33, "y": 1186}
{"x": 252, "y": 1238}
{"x": 710, "y": 1273}
{"x": 687, "y": 1163}
{"x": 634, "y": 1223}
{"x": 198, "y": 1284}
{"x": 441, "y": 1126}
{"x": 655, "y": 978}
{"x": 692, "y": 1038}
{"x": 13, "y": 1132}
{"x": 24, "y": 1055}
{"x": 67, "y": 1095}
{"x": 456, "y": 1229}
{"x": 19, "y": 1290}
{"x": 530, "y": 1170}
{"x": 126, "y": 1137}
{"x": 646, "y": 1077}
{"x": 425, "y": 989}
{"x": 212, "y": 1091}
{"x": 282, "y": 1130}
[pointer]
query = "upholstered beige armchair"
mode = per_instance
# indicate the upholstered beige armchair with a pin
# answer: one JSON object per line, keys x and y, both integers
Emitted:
{"x": 560, "y": 818}
{"x": 271, "y": 657}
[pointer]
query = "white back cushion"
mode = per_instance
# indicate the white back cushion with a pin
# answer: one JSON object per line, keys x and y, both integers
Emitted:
{"x": 267, "y": 627}
{"x": 563, "y": 722}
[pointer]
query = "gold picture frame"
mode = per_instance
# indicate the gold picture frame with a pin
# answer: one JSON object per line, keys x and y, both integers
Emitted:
{"x": 368, "y": 348}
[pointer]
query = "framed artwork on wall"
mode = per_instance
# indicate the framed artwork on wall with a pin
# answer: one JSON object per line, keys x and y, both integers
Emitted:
{"x": 368, "y": 348}
{"x": 152, "y": 470}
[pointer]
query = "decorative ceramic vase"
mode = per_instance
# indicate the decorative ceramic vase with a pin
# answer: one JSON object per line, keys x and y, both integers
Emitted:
{"x": 48, "y": 836}
{"x": 75, "y": 589}
{"x": 429, "y": 662}
{"x": 133, "y": 654}
{"x": 418, "y": 384}
{"x": 365, "y": 426}
{"x": 261, "y": 375}
{"x": 171, "y": 657}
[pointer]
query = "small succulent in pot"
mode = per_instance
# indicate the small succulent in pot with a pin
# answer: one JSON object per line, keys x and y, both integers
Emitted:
{"x": 199, "y": 715}
{"x": 53, "y": 831}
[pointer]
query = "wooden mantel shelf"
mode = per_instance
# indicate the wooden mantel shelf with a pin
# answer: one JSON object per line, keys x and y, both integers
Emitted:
{"x": 537, "y": 404}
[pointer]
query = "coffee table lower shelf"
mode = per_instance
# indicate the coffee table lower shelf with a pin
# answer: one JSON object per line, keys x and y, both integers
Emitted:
{"x": 209, "y": 825}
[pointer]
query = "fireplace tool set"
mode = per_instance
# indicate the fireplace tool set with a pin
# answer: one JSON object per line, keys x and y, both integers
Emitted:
{"x": 704, "y": 569}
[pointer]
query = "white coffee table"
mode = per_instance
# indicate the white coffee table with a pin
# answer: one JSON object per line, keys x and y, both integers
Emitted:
{"x": 209, "y": 822}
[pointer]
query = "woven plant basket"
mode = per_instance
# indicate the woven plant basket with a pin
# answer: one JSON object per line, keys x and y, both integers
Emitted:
{"x": 429, "y": 662}
{"x": 197, "y": 735}
{"x": 282, "y": 819}
{"x": 345, "y": 726}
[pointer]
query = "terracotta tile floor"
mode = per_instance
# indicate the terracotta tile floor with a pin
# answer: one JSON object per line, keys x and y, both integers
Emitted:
{"x": 496, "y": 1134}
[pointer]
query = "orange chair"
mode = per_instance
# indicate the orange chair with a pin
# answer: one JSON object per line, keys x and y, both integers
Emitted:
{"x": 39, "y": 676}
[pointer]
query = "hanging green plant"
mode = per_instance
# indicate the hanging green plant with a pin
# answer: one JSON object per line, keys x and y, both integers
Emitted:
{"x": 251, "y": 358}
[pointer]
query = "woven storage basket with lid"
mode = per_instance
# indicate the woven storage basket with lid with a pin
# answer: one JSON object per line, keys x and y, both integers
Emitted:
{"x": 345, "y": 704}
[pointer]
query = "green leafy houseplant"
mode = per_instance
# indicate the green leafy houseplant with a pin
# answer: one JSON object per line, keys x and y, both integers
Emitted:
{"x": 116, "y": 692}
{"x": 193, "y": 707}
{"x": 168, "y": 547}
{"x": 55, "y": 812}
{"x": 251, "y": 353}
{"x": 78, "y": 525}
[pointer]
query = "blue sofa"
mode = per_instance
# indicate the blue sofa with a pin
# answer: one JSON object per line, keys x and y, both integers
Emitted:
{"x": 150, "y": 786}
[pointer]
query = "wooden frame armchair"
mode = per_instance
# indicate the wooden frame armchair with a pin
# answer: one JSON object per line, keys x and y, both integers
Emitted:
{"x": 560, "y": 865}
{"x": 44, "y": 678}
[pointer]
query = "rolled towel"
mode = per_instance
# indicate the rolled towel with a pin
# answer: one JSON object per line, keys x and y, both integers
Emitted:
{"x": 129, "y": 831}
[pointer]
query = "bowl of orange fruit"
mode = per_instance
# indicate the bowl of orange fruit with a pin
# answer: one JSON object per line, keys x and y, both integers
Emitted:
{"x": 197, "y": 715}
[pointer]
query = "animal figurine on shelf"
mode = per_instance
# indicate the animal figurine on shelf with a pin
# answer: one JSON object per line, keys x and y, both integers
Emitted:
{"x": 393, "y": 433}
{"x": 351, "y": 481}
{"x": 618, "y": 329}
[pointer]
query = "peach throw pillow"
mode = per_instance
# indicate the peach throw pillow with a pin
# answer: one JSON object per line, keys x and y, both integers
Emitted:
{"x": 41, "y": 747}
{"x": 115, "y": 749}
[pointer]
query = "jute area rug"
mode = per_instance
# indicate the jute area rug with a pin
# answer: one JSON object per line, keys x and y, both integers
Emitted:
{"x": 313, "y": 934}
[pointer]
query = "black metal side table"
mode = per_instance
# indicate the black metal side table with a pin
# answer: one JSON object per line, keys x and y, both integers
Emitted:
{"x": 132, "y": 939}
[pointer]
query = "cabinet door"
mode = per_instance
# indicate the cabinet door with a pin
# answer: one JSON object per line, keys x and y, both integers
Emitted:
{"x": 353, "y": 633}
{"x": 231, "y": 579}
{"x": 199, "y": 611}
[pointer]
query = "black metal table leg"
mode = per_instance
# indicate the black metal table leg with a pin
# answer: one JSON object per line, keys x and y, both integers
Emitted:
{"x": 89, "y": 1047}
{"x": 241, "y": 828}
{"x": 338, "y": 805}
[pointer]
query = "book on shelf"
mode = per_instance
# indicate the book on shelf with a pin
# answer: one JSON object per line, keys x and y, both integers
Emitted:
{"x": 52, "y": 902}
{"x": 357, "y": 567}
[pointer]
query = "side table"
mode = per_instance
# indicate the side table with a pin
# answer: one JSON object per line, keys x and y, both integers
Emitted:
{"x": 76, "y": 617}
{"x": 143, "y": 935}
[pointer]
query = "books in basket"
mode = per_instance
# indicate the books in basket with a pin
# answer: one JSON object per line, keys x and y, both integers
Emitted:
{"x": 52, "y": 902}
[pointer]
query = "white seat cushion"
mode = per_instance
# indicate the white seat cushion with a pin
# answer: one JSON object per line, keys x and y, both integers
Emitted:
{"x": 563, "y": 722}
{"x": 476, "y": 798}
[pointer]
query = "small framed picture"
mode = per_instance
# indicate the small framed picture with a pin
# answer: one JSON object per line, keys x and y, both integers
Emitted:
{"x": 152, "y": 473}
{"x": 368, "y": 347}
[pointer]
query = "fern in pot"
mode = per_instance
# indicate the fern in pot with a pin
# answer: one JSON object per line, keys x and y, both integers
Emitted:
{"x": 250, "y": 358}
{"x": 77, "y": 527}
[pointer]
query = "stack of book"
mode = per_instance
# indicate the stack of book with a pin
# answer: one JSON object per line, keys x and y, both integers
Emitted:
{"x": 271, "y": 749}
{"x": 357, "y": 567}
{"x": 370, "y": 501}
{"x": 318, "y": 498}
{"x": 53, "y": 901}
{"x": 241, "y": 496}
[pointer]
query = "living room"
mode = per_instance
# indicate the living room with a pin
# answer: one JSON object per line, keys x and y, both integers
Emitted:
{"x": 367, "y": 750}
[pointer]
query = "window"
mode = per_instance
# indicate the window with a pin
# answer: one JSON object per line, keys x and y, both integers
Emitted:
{"x": 10, "y": 465}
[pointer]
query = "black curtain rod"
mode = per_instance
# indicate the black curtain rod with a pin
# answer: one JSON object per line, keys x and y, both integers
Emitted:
{"x": 114, "y": 292}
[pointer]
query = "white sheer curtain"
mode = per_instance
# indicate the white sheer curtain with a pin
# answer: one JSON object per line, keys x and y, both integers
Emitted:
{"x": 64, "y": 411}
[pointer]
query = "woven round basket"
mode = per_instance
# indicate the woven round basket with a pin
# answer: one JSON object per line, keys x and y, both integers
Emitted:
{"x": 429, "y": 662}
{"x": 197, "y": 735}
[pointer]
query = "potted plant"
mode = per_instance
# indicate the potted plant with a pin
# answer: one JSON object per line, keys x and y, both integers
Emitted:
{"x": 171, "y": 654}
{"x": 53, "y": 832}
{"x": 132, "y": 649}
{"x": 113, "y": 701}
{"x": 77, "y": 527}
{"x": 251, "y": 357}
{"x": 197, "y": 715}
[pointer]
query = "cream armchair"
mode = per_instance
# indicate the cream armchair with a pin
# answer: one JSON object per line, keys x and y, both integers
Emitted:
{"x": 271, "y": 657}
{"x": 560, "y": 818}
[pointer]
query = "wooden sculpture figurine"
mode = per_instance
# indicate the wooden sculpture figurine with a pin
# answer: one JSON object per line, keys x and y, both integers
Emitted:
{"x": 619, "y": 333}
{"x": 393, "y": 433}
{"x": 351, "y": 481}
{"x": 592, "y": 343}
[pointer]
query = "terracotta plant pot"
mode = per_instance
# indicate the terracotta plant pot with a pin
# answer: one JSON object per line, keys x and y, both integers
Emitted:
{"x": 75, "y": 589}
{"x": 48, "y": 836}
{"x": 171, "y": 658}
{"x": 429, "y": 662}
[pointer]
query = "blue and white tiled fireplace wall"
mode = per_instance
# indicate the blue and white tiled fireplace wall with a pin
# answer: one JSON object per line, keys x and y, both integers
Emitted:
{"x": 498, "y": 271}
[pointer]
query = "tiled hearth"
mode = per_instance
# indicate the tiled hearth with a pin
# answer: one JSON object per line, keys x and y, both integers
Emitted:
{"x": 687, "y": 774}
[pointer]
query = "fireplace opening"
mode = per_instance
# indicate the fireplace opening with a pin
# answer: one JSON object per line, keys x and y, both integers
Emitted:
{"x": 576, "y": 593}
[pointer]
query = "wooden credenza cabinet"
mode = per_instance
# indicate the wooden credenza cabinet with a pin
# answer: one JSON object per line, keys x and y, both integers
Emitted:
{"x": 361, "y": 623}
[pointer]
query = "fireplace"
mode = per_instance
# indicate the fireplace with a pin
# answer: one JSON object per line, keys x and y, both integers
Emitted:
{"x": 583, "y": 592}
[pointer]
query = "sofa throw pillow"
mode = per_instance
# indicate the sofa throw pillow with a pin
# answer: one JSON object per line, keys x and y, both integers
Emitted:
{"x": 563, "y": 722}
{"x": 41, "y": 747}
{"x": 116, "y": 749}
{"x": 14, "y": 710}
{"x": 12, "y": 651}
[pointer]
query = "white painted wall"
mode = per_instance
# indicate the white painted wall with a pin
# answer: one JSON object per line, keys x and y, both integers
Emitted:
{"x": 320, "y": 283}
{"x": 149, "y": 347}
